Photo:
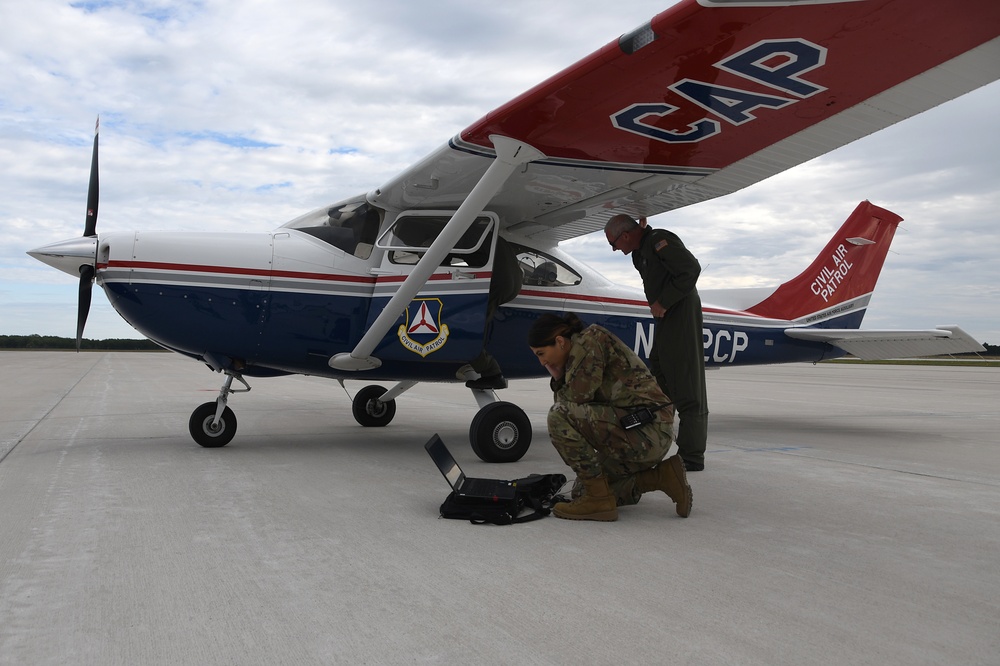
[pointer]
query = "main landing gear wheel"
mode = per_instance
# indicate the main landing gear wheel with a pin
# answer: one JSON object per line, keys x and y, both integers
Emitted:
{"x": 369, "y": 411}
{"x": 201, "y": 428}
{"x": 500, "y": 432}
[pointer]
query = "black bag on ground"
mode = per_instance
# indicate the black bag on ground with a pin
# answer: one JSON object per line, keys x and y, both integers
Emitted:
{"x": 535, "y": 493}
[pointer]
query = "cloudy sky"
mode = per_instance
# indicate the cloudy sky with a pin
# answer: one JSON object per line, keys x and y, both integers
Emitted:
{"x": 237, "y": 115}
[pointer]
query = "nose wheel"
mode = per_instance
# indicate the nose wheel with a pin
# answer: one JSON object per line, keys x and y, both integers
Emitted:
{"x": 500, "y": 432}
{"x": 213, "y": 424}
{"x": 209, "y": 431}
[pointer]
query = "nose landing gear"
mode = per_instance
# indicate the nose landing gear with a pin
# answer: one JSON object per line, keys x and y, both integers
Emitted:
{"x": 213, "y": 424}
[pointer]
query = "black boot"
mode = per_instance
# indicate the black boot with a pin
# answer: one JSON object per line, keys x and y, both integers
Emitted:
{"x": 497, "y": 381}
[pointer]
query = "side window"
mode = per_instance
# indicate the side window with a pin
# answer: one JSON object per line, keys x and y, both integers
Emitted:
{"x": 541, "y": 270}
{"x": 410, "y": 236}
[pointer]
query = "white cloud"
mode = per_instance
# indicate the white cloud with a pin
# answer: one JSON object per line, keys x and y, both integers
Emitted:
{"x": 236, "y": 115}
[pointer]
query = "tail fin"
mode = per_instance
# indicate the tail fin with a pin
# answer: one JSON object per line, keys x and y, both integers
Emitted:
{"x": 846, "y": 269}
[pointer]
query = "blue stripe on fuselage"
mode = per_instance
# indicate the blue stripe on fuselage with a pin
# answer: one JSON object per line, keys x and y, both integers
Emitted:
{"x": 298, "y": 332}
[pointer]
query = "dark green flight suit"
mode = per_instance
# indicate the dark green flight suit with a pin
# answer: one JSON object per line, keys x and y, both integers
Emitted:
{"x": 669, "y": 273}
{"x": 504, "y": 286}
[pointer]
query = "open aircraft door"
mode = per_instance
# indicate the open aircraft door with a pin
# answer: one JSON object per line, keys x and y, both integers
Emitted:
{"x": 444, "y": 321}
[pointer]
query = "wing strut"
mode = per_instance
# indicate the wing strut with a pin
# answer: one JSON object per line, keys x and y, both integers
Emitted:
{"x": 510, "y": 155}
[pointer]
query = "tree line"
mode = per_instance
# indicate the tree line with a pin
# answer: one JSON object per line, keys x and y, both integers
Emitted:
{"x": 114, "y": 344}
{"x": 53, "y": 342}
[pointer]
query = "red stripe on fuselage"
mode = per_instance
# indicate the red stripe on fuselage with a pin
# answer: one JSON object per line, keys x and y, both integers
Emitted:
{"x": 232, "y": 270}
{"x": 436, "y": 277}
{"x": 616, "y": 301}
{"x": 327, "y": 277}
{"x": 301, "y": 275}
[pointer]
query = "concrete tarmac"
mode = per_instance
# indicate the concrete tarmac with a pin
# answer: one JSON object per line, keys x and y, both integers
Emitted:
{"x": 847, "y": 515}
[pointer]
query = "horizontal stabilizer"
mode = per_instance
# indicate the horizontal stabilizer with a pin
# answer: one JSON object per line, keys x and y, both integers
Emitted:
{"x": 877, "y": 345}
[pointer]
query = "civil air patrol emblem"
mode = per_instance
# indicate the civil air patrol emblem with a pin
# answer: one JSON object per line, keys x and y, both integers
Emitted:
{"x": 423, "y": 333}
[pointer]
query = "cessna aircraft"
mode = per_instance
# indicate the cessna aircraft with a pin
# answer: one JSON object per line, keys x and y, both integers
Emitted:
{"x": 704, "y": 99}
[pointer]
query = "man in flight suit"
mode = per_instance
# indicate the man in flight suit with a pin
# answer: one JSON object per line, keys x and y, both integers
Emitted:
{"x": 669, "y": 273}
{"x": 504, "y": 286}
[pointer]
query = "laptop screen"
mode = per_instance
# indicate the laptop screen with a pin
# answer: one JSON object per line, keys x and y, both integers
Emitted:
{"x": 442, "y": 458}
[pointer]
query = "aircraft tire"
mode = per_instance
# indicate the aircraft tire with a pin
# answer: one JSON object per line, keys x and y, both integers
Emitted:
{"x": 500, "y": 432}
{"x": 200, "y": 426}
{"x": 368, "y": 411}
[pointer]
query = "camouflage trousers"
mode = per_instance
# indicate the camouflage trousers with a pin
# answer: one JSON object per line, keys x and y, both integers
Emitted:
{"x": 591, "y": 440}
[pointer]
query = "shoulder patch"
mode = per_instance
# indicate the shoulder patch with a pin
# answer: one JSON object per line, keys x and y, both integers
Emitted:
{"x": 660, "y": 245}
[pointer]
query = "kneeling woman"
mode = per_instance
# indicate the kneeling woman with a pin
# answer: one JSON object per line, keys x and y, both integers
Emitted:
{"x": 597, "y": 381}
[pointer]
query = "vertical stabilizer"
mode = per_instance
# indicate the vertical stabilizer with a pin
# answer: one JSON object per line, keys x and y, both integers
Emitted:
{"x": 846, "y": 269}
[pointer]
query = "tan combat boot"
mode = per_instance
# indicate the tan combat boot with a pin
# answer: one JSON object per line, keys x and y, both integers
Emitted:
{"x": 670, "y": 477}
{"x": 596, "y": 503}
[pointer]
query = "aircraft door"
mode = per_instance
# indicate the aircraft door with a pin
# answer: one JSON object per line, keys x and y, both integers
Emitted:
{"x": 444, "y": 322}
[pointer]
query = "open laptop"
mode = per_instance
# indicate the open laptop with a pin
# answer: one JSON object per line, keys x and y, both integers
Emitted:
{"x": 463, "y": 486}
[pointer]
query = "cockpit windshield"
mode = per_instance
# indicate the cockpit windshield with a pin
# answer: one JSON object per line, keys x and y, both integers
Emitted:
{"x": 351, "y": 226}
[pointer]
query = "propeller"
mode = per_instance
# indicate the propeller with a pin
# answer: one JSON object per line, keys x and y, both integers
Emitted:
{"x": 88, "y": 271}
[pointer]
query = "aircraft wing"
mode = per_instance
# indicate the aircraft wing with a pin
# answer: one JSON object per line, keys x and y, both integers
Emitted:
{"x": 708, "y": 97}
{"x": 876, "y": 345}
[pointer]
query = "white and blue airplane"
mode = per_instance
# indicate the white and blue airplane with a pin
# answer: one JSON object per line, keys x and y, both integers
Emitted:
{"x": 706, "y": 98}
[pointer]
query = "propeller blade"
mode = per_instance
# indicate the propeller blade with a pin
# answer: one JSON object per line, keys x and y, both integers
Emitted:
{"x": 87, "y": 271}
{"x": 93, "y": 193}
{"x": 83, "y": 308}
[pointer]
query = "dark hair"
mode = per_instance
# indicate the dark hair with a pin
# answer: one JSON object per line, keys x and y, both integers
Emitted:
{"x": 548, "y": 327}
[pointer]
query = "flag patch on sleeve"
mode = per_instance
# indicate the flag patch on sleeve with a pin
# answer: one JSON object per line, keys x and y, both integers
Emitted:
{"x": 660, "y": 245}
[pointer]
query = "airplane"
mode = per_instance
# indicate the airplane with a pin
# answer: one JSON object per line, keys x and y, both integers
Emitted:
{"x": 704, "y": 99}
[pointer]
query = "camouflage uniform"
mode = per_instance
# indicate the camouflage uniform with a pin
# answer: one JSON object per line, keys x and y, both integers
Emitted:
{"x": 603, "y": 381}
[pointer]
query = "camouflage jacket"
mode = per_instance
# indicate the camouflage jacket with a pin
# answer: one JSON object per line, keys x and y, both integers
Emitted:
{"x": 601, "y": 369}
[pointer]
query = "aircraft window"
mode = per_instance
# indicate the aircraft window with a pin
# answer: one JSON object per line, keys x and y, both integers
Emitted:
{"x": 410, "y": 235}
{"x": 351, "y": 226}
{"x": 541, "y": 270}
